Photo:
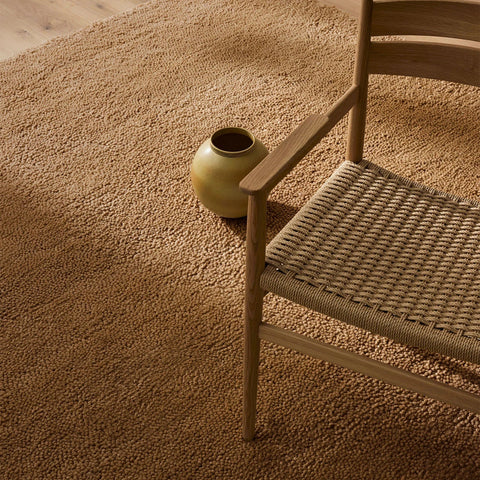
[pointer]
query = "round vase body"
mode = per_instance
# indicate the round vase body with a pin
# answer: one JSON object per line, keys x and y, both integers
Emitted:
{"x": 218, "y": 167}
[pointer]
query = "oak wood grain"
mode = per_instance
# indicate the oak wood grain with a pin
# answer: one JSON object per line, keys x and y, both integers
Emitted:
{"x": 16, "y": 35}
{"x": 28, "y": 23}
{"x": 256, "y": 240}
{"x": 352, "y": 7}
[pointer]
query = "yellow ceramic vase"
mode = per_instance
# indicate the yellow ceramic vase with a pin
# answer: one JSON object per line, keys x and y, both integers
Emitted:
{"x": 219, "y": 165}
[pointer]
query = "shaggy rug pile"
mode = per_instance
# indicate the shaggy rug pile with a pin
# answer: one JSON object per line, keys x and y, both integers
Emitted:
{"x": 121, "y": 297}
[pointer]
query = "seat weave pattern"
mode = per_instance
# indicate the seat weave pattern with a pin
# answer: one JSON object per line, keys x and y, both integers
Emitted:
{"x": 386, "y": 254}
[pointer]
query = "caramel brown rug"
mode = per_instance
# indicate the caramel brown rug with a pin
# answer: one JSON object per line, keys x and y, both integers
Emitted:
{"x": 121, "y": 297}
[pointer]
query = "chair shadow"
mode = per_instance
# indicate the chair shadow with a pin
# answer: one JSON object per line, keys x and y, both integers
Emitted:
{"x": 52, "y": 252}
{"x": 448, "y": 364}
{"x": 278, "y": 214}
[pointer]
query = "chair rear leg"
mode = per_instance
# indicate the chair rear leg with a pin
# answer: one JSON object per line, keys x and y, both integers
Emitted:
{"x": 257, "y": 207}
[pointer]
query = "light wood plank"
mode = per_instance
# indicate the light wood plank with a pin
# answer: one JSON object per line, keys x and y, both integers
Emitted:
{"x": 29, "y": 23}
{"x": 16, "y": 34}
{"x": 352, "y": 7}
{"x": 43, "y": 17}
{"x": 88, "y": 11}
{"x": 373, "y": 368}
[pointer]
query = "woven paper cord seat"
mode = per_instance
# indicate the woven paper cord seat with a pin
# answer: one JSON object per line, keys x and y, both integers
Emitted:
{"x": 388, "y": 255}
{"x": 371, "y": 248}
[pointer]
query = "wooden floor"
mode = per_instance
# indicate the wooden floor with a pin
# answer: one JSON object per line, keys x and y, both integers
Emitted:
{"x": 28, "y": 23}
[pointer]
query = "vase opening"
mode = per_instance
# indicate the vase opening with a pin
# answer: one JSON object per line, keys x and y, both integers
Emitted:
{"x": 232, "y": 140}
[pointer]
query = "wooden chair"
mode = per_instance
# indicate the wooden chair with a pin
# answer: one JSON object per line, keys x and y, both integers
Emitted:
{"x": 371, "y": 248}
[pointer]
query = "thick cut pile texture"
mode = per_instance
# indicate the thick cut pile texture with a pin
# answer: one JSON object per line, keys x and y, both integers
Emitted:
{"x": 121, "y": 297}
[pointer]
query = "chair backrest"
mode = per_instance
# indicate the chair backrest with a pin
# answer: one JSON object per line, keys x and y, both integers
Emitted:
{"x": 456, "y": 57}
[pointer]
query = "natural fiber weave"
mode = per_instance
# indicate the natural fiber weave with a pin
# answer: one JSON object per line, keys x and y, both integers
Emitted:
{"x": 386, "y": 254}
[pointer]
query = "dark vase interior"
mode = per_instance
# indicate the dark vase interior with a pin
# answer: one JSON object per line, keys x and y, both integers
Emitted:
{"x": 232, "y": 142}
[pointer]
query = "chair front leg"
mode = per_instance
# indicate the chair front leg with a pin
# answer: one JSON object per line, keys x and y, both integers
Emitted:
{"x": 256, "y": 227}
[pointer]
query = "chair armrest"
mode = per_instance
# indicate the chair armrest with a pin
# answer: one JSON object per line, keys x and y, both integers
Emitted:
{"x": 277, "y": 164}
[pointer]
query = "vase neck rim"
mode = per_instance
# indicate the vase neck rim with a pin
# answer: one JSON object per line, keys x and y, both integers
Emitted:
{"x": 232, "y": 141}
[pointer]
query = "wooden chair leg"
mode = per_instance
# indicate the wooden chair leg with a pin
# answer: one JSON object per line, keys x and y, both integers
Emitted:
{"x": 250, "y": 373}
{"x": 257, "y": 207}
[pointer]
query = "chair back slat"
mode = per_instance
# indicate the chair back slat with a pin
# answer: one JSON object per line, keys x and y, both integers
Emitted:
{"x": 440, "y": 61}
{"x": 455, "y": 58}
{"x": 438, "y": 18}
